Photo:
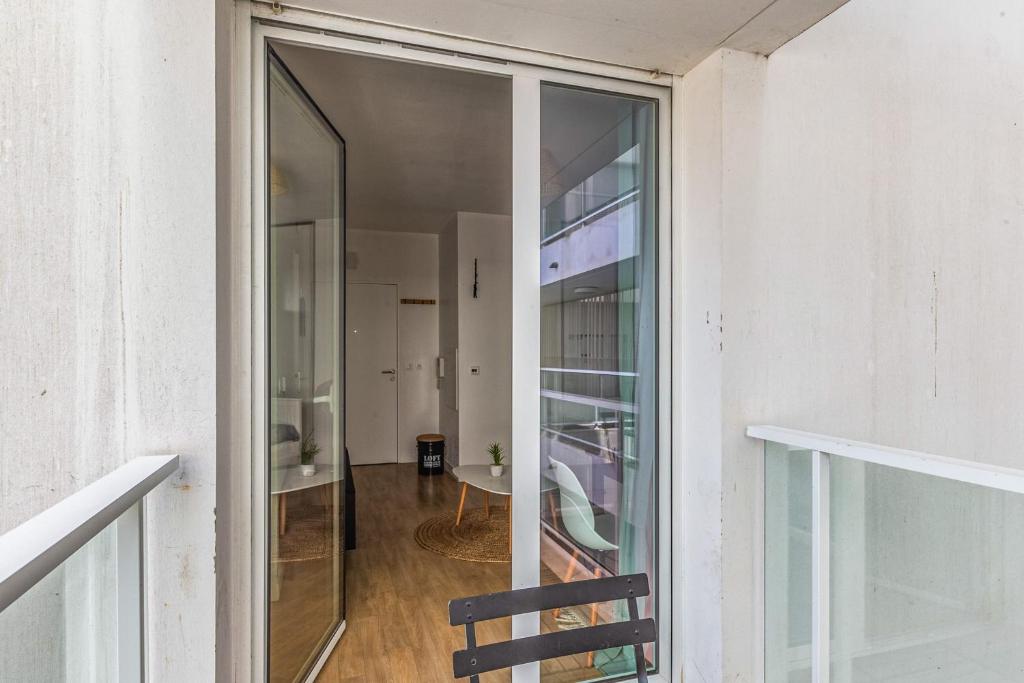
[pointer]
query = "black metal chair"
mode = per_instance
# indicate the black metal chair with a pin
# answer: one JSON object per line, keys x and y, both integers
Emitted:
{"x": 478, "y": 659}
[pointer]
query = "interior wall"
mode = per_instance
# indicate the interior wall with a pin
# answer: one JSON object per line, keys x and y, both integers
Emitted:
{"x": 107, "y": 133}
{"x": 485, "y": 336}
{"x": 477, "y": 407}
{"x": 852, "y": 237}
{"x": 409, "y": 260}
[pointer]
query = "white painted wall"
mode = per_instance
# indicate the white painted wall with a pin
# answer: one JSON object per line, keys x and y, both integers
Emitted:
{"x": 853, "y": 231}
{"x": 408, "y": 260}
{"x": 107, "y": 277}
{"x": 478, "y": 408}
{"x": 485, "y": 336}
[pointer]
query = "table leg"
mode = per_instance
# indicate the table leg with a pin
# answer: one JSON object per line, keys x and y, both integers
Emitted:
{"x": 462, "y": 502}
{"x": 487, "y": 504}
{"x": 509, "y": 525}
{"x": 282, "y": 514}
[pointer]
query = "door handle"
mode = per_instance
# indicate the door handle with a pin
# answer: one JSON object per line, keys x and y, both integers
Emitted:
{"x": 387, "y": 372}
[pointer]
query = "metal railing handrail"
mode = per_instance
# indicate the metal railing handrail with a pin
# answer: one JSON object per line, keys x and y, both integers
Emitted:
{"x": 591, "y": 216}
{"x": 955, "y": 469}
{"x": 33, "y": 549}
{"x": 583, "y": 371}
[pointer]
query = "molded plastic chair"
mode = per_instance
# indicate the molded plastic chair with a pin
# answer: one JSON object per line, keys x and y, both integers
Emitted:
{"x": 577, "y": 515}
{"x": 578, "y": 520}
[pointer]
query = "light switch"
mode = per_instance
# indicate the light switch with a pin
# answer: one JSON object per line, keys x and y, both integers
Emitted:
{"x": 474, "y": 370}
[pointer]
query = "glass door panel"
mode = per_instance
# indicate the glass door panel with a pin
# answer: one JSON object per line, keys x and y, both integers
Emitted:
{"x": 306, "y": 455}
{"x": 598, "y": 440}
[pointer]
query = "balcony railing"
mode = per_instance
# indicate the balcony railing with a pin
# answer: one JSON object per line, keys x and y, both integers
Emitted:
{"x": 888, "y": 564}
{"x": 72, "y": 582}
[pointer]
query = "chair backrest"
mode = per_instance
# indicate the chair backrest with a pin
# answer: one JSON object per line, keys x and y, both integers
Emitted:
{"x": 478, "y": 659}
{"x": 577, "y": 515}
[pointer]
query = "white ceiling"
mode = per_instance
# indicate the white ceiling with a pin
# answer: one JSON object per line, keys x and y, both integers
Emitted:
{"x": 424, "y": 142}
{"x": 670, "y": 35}
{"x": 421, "y": 142}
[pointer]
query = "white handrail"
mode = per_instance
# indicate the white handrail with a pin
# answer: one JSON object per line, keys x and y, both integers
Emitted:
{"x": 35, "y": 548}
{"x": 968, "y": 471}
{"x": 580, "y": 371}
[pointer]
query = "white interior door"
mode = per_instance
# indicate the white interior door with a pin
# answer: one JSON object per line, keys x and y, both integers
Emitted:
{"x": 371, "y": 365}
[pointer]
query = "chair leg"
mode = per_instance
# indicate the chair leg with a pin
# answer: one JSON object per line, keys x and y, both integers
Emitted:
{"x": 462, "y": 502}
{"x": 568, "y": 576}
{"x": 593, "y": 620}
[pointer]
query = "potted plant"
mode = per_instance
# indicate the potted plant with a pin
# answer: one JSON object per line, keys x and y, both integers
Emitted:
{"x": 307, "y": 454}
{"x": 497, "y": 459}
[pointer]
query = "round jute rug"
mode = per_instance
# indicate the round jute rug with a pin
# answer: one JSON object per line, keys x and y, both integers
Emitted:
{"x": 307, "y": 537}
{"x": 477, "y": 539}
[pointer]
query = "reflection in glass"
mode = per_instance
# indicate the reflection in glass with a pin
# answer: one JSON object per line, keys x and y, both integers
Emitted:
{"x": 926, "y": 577}
{"x": 65, "y": 627}
{"x": 305, "y": 438}
{"x": 598, "y": 356}
{"x": 787, "y": 564}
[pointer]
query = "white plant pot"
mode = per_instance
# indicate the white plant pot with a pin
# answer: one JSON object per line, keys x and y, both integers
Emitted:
{"x": 496, "y": 470}
{"x": 307, "y": 470}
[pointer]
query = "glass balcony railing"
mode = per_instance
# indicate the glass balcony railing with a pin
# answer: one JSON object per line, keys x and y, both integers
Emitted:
{"x": 72, "y": 583}
{"x": 889, "y": 565}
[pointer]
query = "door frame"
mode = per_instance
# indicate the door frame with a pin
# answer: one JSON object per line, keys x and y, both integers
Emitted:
{"x": 398, "y": 346}
{"x": 255, "y": 24}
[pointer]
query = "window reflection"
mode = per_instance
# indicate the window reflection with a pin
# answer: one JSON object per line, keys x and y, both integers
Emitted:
{"x": 598, "y": 355}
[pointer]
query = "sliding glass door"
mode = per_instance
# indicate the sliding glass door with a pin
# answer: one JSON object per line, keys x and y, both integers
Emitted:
{"x": 598, "y": 339}
{"x": 590, "y": 418}
{"x": 305, "y": 458}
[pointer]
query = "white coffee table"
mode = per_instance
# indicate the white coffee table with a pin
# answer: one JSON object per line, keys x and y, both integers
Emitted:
{"x": 479, "y": 477}
{"x": 290, "y": 479}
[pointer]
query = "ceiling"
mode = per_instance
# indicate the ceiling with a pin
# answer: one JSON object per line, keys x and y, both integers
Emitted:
{"x": 424, "y": 142}
{"x": 668, "y": 35}
{"x": 421, "y": 142}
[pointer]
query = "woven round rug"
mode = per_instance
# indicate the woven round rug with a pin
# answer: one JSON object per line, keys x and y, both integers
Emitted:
{"x": 307, "y": 536}
{"x": 477, "y": 539}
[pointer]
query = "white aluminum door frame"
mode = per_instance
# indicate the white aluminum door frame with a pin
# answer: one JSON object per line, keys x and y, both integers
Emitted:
{"x": 527, "y": 70}
{"x": 398, "y": 345}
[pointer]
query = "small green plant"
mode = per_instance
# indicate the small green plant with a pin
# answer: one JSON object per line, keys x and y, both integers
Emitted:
{"x": 308, "y": 450}
{"x": 496, "y": 453}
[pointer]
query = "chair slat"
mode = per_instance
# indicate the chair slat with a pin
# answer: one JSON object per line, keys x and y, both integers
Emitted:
{"x": 526, "y": 600}
{"x": 549, "y": 645}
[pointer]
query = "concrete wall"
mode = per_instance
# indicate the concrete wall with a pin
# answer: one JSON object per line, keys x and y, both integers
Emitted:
{"x": 410, "y": 261}
{"x": 853, "y": 229}
{"x": 107, "y": 267}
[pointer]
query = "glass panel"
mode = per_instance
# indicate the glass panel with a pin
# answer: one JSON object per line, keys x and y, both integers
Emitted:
{"x": 305, "y": 465}
{"x": 598, "y": 357}
{"x": 65, "y": 627}
{"x": 787, "y": 564}
{"x": 927, "y": 578}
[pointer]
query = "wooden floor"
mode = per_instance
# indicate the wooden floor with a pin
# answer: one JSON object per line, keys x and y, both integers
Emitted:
{"x": 397, "y": 613}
